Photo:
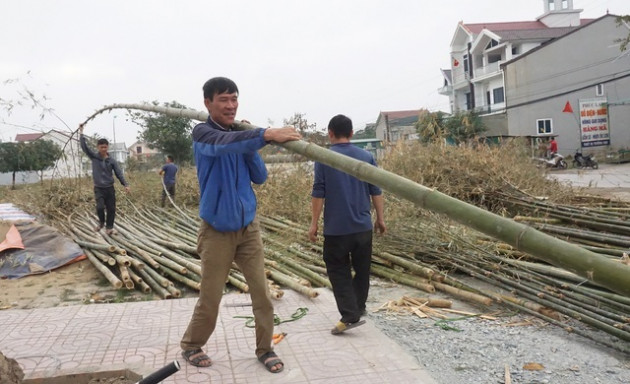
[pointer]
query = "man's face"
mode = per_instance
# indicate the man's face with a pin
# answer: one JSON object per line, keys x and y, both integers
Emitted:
{"x": 102, "y": 149}
{"x": 222, "y": 108}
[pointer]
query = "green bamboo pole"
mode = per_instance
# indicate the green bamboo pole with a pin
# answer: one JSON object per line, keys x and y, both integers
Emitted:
{"x": 569, "y": 256}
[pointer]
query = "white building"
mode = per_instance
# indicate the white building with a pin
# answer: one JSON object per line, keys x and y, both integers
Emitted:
{"x": 475, "y": 80}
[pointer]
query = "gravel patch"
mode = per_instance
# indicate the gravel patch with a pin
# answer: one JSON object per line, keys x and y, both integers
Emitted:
{"x": 480, "y": 350}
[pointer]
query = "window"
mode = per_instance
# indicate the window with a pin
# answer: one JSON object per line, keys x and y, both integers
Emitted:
{"x": 516, "y": 49}
{"x": 493, "y": 58}
{"x": 498, "y": 96}
{"x": 552, "y": 5}
{"x": 466, "y": 63}
{"x": 565, "y": 4}
{"x": 599, "y": 90}
{"x": 138, "y": 149}
{"x": 468, "y": 101}
{"x": 544, "y": 126}
{"x": 492, "y": 43}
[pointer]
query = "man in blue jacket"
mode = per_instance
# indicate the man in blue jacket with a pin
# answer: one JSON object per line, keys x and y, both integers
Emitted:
{"x": 348, "y": 226}
{"x": 227, "y": 165}
{"x": 104, "y": 193}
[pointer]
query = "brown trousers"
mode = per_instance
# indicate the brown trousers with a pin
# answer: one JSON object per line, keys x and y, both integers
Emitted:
{"x": 217, "y": 251}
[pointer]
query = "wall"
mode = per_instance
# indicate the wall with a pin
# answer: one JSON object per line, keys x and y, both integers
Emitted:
{"x": 539, "y": 84}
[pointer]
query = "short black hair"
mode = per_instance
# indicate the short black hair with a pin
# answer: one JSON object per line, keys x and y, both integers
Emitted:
{"x": 218, "y": 85}
{"x": 170, "y": 157}
{"x": 102, "y": 141}
{"x": 340, "y": 126}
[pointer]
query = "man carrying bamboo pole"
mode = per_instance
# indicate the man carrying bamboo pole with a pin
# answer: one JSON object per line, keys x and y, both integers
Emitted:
{"x": 104, "y": 193}
{"x": 169, "y": 178}
{"x": 227, "y": 165}
{"x": 347, "y": 225}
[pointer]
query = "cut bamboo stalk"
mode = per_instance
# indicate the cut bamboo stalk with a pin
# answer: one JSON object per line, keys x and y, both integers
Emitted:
{"x": 113, "y": 280}
{"x": 409, "y": 280}
{"x": 104, "y": 258}
{"x": 466, "y": 295}
{"x": 161, "y": 280}
{"x": 287, "y": 281}
{"x": 164, "y": 262}
{"x": 182, "y": 279}
{"x": 435, "y": 303}
{"x": 124, "y": 275}
{"x": 157, "y": 288}
{"x": 242, "y": 286}
{"x": 142, "y": 254}
{"x": 122, "y": 260}
{"x": 174, "y": 291}
{"x": 411, "y": 266}
{"x": 144, "y": 287}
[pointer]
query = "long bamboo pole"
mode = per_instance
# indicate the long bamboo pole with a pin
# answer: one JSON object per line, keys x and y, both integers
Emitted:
{"x": 569, "y": 256}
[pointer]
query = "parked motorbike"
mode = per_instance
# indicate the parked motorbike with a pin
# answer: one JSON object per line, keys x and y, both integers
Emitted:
{"x": 582, "y": 161}
{"x": 556, "y": 161}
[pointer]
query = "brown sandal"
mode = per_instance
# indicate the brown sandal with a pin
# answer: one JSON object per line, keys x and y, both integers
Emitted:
{"x": 270, "y": 360}
{"x": 196, "y": 361}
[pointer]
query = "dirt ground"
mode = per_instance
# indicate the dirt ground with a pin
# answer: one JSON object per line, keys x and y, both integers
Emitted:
{"x": 72, "y": 284}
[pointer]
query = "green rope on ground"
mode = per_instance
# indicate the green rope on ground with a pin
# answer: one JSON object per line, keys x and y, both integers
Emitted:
{"x": 444, "y": 323}
{"x": 298, "y": 314}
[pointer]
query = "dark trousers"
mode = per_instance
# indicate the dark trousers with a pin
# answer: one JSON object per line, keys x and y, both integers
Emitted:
{"x": 342, "y": 254}
{"x": 171, "y": 193}
{"x": 105, "y": 201}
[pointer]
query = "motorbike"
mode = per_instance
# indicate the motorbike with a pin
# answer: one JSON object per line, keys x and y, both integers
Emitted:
{"x": 556, "y": 161}
{"x": 582, "y": 161}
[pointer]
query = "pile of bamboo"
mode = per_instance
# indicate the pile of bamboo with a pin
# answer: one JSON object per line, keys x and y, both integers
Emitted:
{"x": 155, "y": 251}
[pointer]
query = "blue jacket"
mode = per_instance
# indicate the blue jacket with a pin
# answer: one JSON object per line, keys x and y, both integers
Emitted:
{"x": 227, "y": 163}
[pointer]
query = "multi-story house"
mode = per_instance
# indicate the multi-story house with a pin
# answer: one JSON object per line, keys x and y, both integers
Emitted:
{"x": 576, "y": 87}
{"x": 481, "y": 51}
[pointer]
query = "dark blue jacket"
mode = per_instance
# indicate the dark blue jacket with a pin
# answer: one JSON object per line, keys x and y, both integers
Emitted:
{"x": 227, "y": 163}
{"x": 346, "y": 198}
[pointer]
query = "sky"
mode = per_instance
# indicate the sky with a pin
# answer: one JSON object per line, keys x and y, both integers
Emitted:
{"x": 314, "y": 57}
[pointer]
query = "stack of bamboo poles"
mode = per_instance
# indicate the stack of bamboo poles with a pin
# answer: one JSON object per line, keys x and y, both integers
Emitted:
{"x": 155, "y": 250}
{"x": 539, "y": 289}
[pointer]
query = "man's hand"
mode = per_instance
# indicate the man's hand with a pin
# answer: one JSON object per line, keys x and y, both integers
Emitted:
{"x": 127, "y": 189}
{"x": 379, "y": 227}
{"x": 312, "y": 233}
{"x": 281, "y": 135}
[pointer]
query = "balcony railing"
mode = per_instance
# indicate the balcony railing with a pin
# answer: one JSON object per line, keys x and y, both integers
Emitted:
{"x": 445, "y": 90}
{"x": 491, "y": 108}
{"x": 487, "y": 69}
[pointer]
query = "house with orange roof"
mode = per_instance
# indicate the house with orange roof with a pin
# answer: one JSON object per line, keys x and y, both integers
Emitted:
{"x": 540, "y": 78}
{"x": 394, "y": 126}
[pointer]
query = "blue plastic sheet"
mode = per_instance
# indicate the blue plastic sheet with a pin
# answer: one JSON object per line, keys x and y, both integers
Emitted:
{"x": 45, "y": 249}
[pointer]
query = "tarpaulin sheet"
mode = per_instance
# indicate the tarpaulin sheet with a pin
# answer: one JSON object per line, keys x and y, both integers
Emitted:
{"x": 9, "y": 236}
{"x": 45, "y": 249}
{"x": 10, "y": 212}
